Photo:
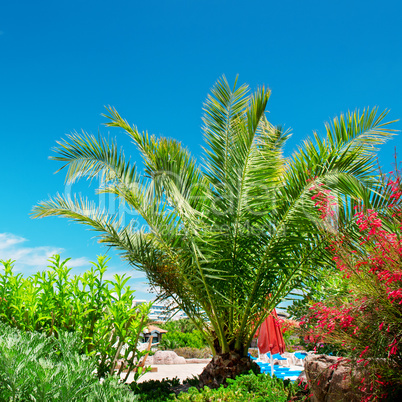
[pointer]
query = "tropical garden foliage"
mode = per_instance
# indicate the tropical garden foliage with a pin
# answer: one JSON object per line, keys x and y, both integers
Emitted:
{"x": 100, "y": 311}
{"x": 230, "y": 236}
{"x": 174, "y": 340}
{"x": 181, "y": 334}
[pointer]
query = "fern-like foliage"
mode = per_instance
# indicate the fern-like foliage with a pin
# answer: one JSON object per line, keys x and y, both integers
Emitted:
{"x": 34, "y": 367}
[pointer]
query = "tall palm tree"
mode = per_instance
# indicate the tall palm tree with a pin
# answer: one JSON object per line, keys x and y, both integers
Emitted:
{"x": 227, "y": 238}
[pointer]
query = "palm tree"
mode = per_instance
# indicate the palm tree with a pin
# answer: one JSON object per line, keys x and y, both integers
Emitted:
{"x": 227, "y": 239}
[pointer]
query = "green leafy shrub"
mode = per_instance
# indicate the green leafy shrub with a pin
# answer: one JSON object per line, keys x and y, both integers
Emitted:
{"x": 181, "y": 334}
{"x": 40, "y": 368}
{"x": 101, "y": 311}
{"x": 193, "y": 381}
{"x": 258, "y": 388}
{"x": 177, "y": 339}
{"x": 155, "y": 390}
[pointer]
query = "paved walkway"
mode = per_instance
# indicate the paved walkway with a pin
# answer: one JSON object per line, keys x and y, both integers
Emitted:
{"x": 182, "y": 371}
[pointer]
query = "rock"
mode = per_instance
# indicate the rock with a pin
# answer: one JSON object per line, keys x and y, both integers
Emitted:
{"x": 332, "y": 380}
{"x": 302, "y": 379}
{"x": 165, "y": 357}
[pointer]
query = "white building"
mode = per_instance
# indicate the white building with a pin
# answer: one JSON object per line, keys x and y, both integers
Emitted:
{"x": 163, "y": 311}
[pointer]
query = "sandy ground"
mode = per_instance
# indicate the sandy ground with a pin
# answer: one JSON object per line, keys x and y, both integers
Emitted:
{"x": 182, "y": 371}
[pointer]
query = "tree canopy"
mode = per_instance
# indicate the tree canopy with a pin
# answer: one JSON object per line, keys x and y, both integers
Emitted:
{"x": 230, "y": 236}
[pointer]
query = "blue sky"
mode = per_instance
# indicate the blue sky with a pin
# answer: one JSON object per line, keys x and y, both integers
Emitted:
{"x": 61, "y": 62}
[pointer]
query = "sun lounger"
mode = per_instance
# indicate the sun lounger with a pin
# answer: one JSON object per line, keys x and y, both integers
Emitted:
{"x": 299, "y": 358}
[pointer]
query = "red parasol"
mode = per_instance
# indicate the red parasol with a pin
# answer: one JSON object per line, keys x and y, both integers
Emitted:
{"x": 270, "y": 338}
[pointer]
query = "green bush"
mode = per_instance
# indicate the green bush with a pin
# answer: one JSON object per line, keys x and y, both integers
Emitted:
{"x": 181, "y": 334}
{"x": 258, "y": 388}
{"x": 154, "y": 390}
{"x": 101, "y": 311}
{"x": 177, "y": 339}
{"x": 39, "y": 368}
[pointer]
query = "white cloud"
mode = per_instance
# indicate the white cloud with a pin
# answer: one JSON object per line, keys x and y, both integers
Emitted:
{"x": 7, "y": 240}
{"x": 78, "y": 262}
{"x": 29, "y": 259}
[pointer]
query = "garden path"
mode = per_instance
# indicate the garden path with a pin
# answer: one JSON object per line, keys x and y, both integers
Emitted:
{"x": 182, "y": 371}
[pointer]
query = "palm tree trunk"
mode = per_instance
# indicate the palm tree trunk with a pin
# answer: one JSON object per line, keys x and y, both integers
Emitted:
{"x": 226, "y": 365}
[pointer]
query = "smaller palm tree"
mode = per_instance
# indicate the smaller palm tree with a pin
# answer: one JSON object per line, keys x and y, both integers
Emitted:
{"x": 230, "y": 237}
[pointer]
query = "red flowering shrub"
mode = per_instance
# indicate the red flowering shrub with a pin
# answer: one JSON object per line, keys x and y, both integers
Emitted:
{"x": 367, "y": 323}
{"x": 287, "y": 325}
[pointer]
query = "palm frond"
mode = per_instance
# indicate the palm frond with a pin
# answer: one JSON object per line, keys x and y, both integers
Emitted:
{"x": 85, "y": 155}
